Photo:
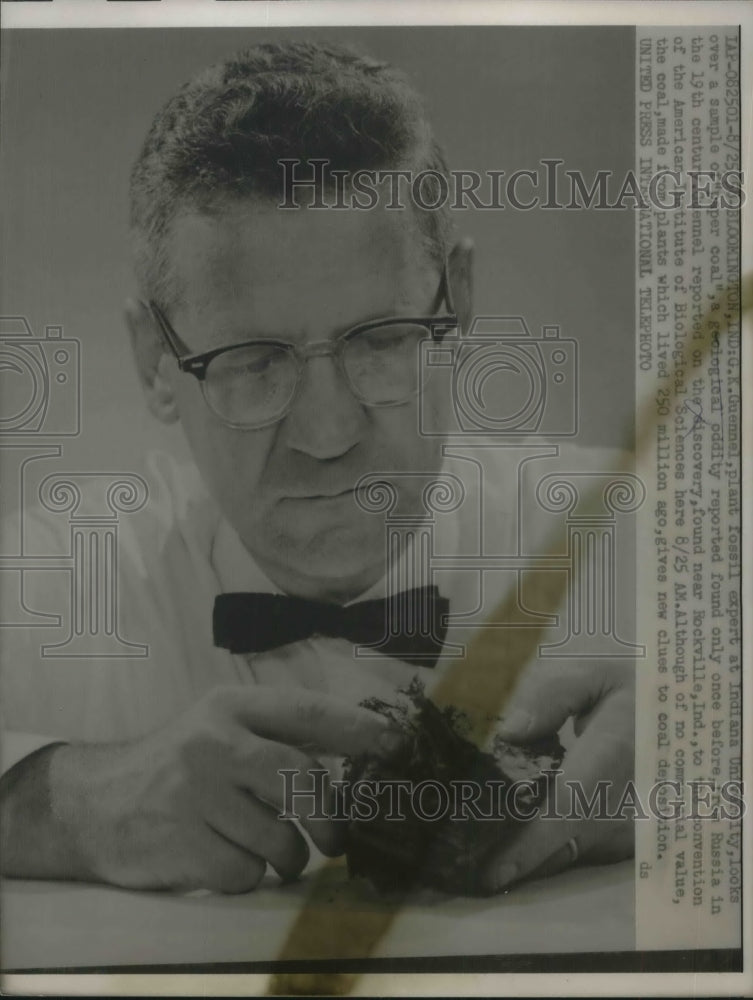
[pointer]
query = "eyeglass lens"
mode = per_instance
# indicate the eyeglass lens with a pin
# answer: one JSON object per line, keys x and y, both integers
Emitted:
{"x": 254, "y": 385}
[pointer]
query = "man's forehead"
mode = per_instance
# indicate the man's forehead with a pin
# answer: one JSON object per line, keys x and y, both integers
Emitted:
{"x": 251, "y": 251}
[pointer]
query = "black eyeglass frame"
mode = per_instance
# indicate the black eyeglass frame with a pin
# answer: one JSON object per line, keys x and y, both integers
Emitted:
{"x": 198, "y": 364}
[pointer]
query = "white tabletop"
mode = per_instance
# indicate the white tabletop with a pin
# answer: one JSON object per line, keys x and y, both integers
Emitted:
{"x": 64, "y": 925}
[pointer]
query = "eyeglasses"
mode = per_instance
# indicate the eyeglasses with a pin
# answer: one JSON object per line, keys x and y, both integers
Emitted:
{"x": 252, "y": 384}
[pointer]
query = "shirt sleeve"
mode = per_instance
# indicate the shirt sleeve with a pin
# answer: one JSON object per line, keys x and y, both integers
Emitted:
{"x": 19, "y": 593}
{"x": 15, "y": 746}
{"x": 67, "y": 671}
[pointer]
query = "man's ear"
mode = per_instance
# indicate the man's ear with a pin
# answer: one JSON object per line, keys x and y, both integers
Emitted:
{"x": 148, "y": 352}
{"x": 460, "y": 267}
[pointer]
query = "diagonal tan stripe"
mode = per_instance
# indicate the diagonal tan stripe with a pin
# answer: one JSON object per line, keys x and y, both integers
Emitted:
{"x": 335, "y": 929}
{"x": 478, "y": 686}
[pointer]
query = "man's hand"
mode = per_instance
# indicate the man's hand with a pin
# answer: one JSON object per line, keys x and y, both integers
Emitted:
{"x": 601, "y": 698}
{"x": 194, "y": 805}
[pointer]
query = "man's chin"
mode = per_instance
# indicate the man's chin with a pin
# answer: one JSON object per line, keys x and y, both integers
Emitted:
{"x": 344, "y": 561}
{"x": 330, "y": 546}
{"x": 342, "y": 554}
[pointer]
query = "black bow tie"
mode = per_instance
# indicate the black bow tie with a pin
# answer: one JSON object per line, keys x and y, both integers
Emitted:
{"x": 408, "y": 626}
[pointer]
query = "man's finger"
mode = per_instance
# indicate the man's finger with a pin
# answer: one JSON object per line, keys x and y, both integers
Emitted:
{"x": 564, "y": 857}
{"x": 254, "y": 826}
{"x": 546, "y": 696}
{"x": 544, "y": 844}
{"x": 291, "y": 782}
{"x": 617, "y": 847}
{"x": 551, "y": 692}
{"x": 314, "y": 722}
{"x": 223, "y": 866}
{"x": 539, "y": 841}
{"x": 595, "y": 774}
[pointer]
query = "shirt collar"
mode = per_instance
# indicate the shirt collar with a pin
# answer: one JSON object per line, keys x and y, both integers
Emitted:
{"x": 235, "y": 567}
{"x": 238, "y": 571}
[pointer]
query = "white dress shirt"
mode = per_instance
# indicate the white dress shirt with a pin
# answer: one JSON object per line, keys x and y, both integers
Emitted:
{"x": 174, "y": 557}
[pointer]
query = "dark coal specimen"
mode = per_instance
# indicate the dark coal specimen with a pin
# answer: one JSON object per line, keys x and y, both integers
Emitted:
{"x": 435, "y": 833}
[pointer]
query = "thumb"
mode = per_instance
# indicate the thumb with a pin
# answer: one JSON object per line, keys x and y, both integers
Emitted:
{"x": 547, "y": 695}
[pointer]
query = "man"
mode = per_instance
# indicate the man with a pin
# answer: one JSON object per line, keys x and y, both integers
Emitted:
{"x": 287, "y": 344}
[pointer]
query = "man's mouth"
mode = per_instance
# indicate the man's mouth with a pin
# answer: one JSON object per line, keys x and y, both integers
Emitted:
{"x": 331, "y": 496}
{"x": 350, "y": 491}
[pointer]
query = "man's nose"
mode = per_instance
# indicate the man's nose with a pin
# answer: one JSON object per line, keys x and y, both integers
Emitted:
{"x": 326, "y": 420}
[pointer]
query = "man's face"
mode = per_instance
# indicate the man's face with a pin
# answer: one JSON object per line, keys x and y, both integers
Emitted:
{"x": 253, "y": 271}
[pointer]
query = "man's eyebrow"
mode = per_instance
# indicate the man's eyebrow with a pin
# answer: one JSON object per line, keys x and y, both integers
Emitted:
{"x": 241, "y": 335}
